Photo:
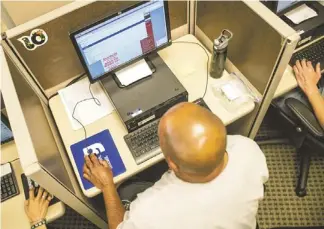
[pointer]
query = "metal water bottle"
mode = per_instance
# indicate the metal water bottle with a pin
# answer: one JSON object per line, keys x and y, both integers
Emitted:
{"x": 217, "y": 64}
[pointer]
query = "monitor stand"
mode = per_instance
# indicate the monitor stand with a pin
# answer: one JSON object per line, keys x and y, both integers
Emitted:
{"x": 134, "y": 72}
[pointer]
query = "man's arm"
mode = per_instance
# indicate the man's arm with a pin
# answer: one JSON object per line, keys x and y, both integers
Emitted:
{"x": 99, "y": 173}
{"x": 114, "y": 208}
{"x": 307, "y": 78}
{"x": 317, "y": 102}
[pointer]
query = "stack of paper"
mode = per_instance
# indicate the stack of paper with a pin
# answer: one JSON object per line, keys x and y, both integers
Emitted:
{"x": 301, "y": 14}
{"x": 88, "y": 111}
{"x": 133, "y": 73}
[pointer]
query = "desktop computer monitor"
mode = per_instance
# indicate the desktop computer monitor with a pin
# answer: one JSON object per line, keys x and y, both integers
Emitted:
{"x": 112, "y": 43}
{"x": 281, "y": 7}
{"x": 6, "y": 133}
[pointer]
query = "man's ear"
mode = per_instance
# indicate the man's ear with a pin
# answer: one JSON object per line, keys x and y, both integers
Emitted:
{"x": 172, "y": 165}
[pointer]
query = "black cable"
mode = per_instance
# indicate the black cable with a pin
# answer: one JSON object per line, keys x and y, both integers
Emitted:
{"x": 195, "y": 43}
{"x": 92, "y": 98}
{"x": 75, "y": 79}
{"x": 52, "y": 96}
{"x": 70, "y": 83}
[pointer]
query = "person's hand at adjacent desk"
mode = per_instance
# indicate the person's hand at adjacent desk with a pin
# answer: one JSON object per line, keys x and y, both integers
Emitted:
{"x": 36, "y": 207}
{"x": 307, "y": 78}
{"x": 99, "y": 173}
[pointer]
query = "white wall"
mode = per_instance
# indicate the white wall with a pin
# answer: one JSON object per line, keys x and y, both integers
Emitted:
{"x": 23, "y": 11}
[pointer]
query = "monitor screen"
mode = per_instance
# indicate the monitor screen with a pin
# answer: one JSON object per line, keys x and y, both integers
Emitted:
{"x": 116, "y": 41}
{"x": 282, "y": 5}
{"x": 6, "y": 133}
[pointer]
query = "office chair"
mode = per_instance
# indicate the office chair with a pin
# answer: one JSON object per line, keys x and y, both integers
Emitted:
{"x": 304, "y": 131}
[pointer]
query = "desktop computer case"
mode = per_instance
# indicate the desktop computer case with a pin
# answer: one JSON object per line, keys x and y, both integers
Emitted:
{"x": 149, "y": 98}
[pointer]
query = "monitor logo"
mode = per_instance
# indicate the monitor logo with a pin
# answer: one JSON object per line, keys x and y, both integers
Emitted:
{"x": 96, "y": 148}
{"x": 37, "y": 37}
{"x": 305, "y": 40}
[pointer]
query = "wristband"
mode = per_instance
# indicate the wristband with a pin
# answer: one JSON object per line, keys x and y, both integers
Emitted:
{"x": 38, "y": 224}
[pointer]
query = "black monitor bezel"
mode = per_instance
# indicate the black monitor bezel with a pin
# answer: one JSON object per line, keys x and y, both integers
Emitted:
{"x": 273, "y": 6}
{"x": 287, "y": 9}
{"x": 74, "y": 33}
{"x": 6, "y": 122}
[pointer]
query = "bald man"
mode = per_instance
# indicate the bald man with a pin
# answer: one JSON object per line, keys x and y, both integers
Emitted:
{"x": 214, "y": 181}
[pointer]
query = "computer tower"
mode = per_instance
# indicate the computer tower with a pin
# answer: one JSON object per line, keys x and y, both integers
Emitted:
{"x": 148, "y": 99}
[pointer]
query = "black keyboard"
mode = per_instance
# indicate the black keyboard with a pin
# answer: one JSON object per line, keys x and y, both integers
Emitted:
{"x": 9, "y": 187}
{"x": 28, "y": 184}
{"x": 313, "y": 53}
{"x": 144, "y": 142}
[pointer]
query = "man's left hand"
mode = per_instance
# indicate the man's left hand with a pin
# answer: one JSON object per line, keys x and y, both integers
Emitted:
{"x": 98, "y": 172}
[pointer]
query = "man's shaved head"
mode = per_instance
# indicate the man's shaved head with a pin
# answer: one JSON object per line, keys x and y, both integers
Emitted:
{"x": 193, "y": 138}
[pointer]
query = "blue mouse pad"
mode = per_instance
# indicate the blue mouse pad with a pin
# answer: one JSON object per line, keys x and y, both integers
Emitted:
{"x": 101, "y": 144}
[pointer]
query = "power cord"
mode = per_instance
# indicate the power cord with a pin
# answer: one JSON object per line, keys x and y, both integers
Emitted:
{"x": 75, "y": 79}
{"x": 195, "y": 43}
{"x": 71, "y": 82}
{"x": 96, "y": 102}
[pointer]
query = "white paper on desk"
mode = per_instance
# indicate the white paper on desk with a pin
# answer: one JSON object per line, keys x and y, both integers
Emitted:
{"x": 301, "y": 14}
{"x": 134, "y": 72}
{"x": 88, "y": 111}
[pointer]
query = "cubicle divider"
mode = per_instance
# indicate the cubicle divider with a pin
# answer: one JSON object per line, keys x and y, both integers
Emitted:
{"x": 34, "y": 74}
{"x": 40, "y": 150}
{"x": 259, "y": 51}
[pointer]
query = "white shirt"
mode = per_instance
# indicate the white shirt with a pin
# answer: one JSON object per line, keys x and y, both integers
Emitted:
{"x": 229, "y": 201}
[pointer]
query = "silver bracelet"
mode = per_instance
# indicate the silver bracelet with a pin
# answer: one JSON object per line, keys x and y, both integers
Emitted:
{"x": 38, "y": 224}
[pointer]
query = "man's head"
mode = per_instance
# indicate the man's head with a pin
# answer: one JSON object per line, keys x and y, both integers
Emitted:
{"x": 193, "y": 141}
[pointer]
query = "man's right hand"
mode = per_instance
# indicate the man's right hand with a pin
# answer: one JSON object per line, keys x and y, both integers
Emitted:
{"x": 98, "y": 172}
{"x": 307, "y": 77}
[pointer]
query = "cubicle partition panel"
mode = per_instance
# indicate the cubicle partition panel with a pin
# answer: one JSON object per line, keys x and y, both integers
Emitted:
{"x": 56, "y": 61}
{"x": 40, "y": 150}
{"x": 260, "y": 49}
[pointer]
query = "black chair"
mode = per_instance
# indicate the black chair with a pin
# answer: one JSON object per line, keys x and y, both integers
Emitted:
{"x": 297, "y": 118}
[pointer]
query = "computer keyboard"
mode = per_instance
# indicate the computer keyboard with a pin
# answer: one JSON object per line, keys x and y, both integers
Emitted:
{"x": 313, "y": 53}
{"x": 144, "y": 142}
{"x": 9, "y": 186}
{"x": 28, "y": 184}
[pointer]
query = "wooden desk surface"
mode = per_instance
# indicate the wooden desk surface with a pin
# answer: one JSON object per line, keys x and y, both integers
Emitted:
{"x": 287, "y": 82}
{"x": 8, "y": 152}
{"x": 188, "y": 63}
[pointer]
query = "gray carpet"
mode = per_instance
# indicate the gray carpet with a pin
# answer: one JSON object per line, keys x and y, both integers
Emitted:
{"x": 281, "y": 207}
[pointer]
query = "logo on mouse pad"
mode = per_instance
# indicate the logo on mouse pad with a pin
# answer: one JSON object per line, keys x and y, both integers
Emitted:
{"x": 96, "y": 148}
{"x": 104, "y": 147}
